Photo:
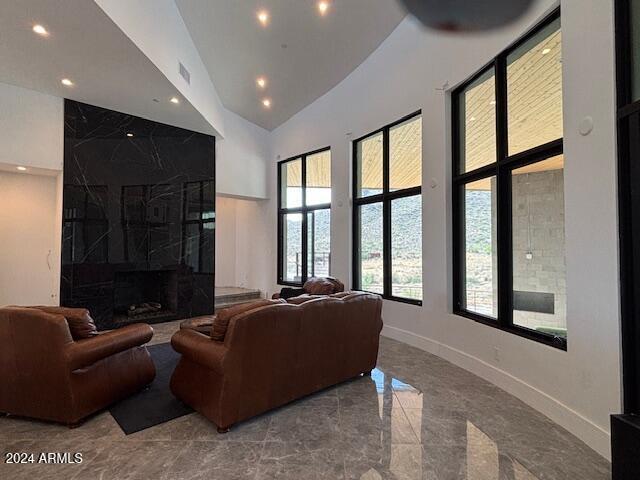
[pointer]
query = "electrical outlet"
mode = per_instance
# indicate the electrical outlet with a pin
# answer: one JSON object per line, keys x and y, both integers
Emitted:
{"x": 496, "y": 354}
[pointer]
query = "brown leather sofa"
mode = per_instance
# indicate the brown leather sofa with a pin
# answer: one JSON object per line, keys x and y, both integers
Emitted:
{"x": 313, "y": 286}
{"x": 274, "y": 352}
{"x": 49, "y": 375}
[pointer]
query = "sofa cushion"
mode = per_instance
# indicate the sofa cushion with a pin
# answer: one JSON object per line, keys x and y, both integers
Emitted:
{"x": 221, "y": 321}
{"x": 81, "y": 325}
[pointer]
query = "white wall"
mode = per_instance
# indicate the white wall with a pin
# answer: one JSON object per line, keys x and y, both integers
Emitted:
{"x": 578, "y": 388}
{"x": 30, "y": 273}
{"x": 241, "y": 158}
{"x": 31, "y": 135}
{"x": 31, "y": 128}
{"x": 157, "y": 29}
{"x": 241, "y": 243}
{"x": 226, "y": 238}
{"x": 255, "y": 248}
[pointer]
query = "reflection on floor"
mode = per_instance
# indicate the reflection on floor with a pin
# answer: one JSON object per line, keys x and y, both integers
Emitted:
{"x": 417, "y": 417}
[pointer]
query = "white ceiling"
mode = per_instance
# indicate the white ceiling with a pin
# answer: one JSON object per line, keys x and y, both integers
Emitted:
{"x": 87, "y": 47}
{"x": 320, "y": 50}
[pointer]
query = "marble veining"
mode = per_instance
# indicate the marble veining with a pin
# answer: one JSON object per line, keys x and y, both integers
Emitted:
{"x": 138, "y": 217}
{"x": 416, "y": 417}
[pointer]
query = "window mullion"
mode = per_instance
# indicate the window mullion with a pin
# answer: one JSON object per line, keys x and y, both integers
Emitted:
{"x": 386, "y": 216}
{"x": 386, "y": 246}
{"x": 503, "y": 200}
{"x": 280, "y": 246}
{"x": 311, "y": 267}
{"x": 355, "y": 219}
{"x": 502, "y": 135}
{"x": 504, "y": 247}
{"x": 304, "y": 220}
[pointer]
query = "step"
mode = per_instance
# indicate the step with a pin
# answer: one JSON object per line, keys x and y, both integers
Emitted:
{"x": 229, "y": 296}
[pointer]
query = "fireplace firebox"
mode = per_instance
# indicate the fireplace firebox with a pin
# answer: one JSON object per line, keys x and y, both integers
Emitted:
{"x": 145, "y": 296}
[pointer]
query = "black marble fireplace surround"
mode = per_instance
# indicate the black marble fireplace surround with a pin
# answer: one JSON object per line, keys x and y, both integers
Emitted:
{"x": 138, "y": 218}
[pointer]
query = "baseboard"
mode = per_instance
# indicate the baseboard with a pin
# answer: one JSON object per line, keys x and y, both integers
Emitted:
{"x": 596, "y": 437}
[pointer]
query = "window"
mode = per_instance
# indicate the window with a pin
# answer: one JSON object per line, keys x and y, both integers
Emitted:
{"x": 387, "y": 211}
{"x": 304, "y": 217}
{"x": 508, "y": 190}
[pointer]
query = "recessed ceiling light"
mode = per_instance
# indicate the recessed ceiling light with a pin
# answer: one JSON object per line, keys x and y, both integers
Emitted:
{"x": 40, "y": 30}
{"x": 545, "y": 51}
{"x": 266, "y": 102}
{"x": 129, "y": 134}
{"x": 323, "y": 7}
{"x": 66, "y": 82}
{"x": 22, "y": 169}
{"x": 492, "y": 102}
{"x": 174, "y": 100}
{"x": 472, "y": 119}
{"x": 263, "y": 17}
{"x": 261, "y": 82}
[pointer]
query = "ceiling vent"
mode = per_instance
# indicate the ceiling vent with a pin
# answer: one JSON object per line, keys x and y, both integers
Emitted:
{"x": 185, "y": 73}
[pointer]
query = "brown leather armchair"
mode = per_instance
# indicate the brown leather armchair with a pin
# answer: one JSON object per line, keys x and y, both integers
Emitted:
{"x": 274, "y": 352}
{"x": 48, "y": 375}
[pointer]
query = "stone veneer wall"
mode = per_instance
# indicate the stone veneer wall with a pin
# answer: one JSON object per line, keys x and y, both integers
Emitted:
{"x": 538, "y": 214}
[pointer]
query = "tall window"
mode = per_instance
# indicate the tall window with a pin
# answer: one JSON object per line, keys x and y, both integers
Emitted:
{"x": 387, "y": 211}
{"x": 304, "y": 217}
{"x": 508, "y": 190}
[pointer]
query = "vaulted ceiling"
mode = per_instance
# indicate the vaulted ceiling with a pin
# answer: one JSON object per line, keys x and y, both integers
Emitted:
{"x": 301, "y": 53}
{"x": 86, "y": 46}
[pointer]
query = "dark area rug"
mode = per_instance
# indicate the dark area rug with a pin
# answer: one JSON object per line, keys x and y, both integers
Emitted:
{"x": 156, "y": 404}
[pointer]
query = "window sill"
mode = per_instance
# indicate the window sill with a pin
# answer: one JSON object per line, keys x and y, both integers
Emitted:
{"x": 549, "y": 340}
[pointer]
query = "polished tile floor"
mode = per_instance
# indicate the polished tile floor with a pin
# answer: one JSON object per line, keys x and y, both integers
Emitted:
{"x": 417, "y": 417}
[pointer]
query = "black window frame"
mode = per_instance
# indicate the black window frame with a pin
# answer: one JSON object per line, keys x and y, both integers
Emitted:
{"x": 502, "y": 169}
{"x": 304, "y": 210}
{"x": 386, "y": 197}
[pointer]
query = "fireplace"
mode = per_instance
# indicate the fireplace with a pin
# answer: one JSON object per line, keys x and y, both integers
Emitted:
{"x": 138, "y": 218}
{"x": 142, "y": 296}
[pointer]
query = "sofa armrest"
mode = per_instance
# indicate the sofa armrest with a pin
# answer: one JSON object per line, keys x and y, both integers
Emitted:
{"x": 86, "y": 352}
{"x": 200, "y": 349}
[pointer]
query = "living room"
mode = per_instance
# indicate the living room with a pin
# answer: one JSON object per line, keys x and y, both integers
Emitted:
{"x": 326, "y": 239}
